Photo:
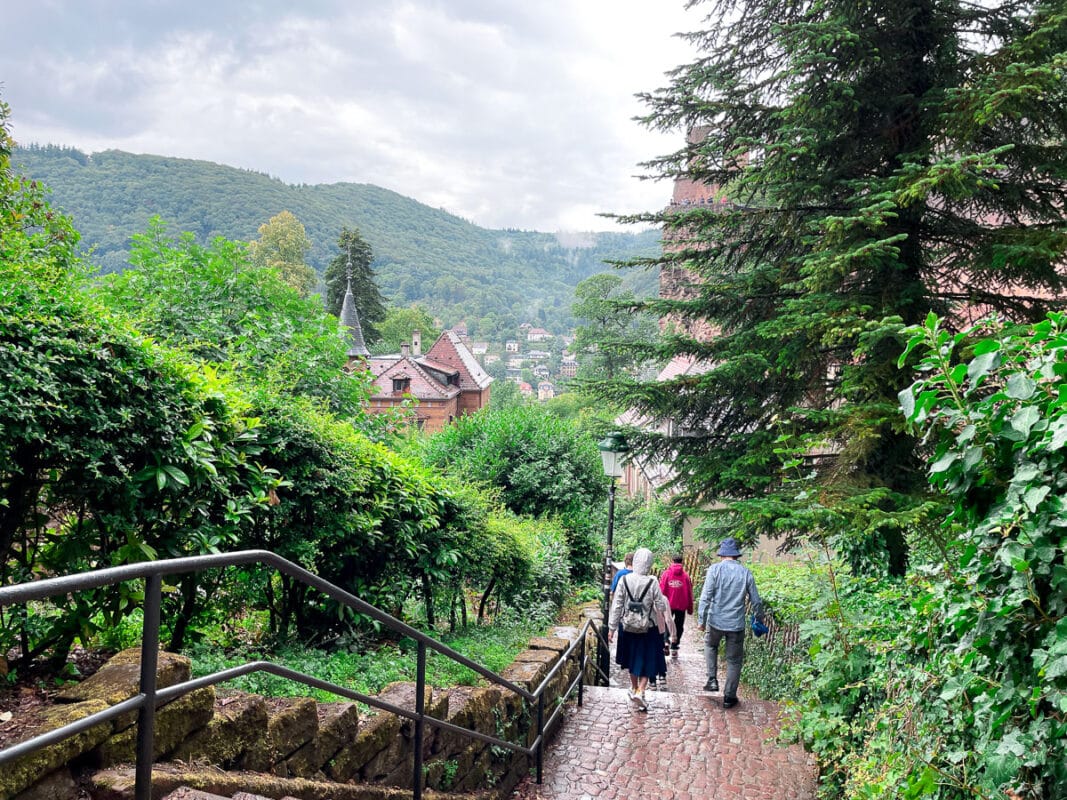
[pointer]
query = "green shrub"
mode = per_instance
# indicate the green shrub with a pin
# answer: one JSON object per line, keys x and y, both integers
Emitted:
{"x": 370, "y": 670}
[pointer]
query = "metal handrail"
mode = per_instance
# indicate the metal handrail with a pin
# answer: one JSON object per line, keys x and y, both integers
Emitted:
{"x": 150, "y": 697}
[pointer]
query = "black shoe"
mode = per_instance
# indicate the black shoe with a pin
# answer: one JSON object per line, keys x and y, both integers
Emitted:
{"x": 729, "y": 702}
{"x": 712, "y": 685}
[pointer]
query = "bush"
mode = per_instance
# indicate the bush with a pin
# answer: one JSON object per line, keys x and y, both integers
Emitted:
{"x": 540, "y": 466}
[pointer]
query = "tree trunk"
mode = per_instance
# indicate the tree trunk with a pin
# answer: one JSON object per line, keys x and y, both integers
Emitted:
{"x": 427, "y": 596}
{"x": 185, "y": 612}
{"x": 485, "y": 598}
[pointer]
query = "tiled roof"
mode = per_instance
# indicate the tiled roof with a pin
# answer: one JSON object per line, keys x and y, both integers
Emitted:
{"x": 350, "y": 319}
{"x": 422, "y": 385}
{"x": 450, "y": 350}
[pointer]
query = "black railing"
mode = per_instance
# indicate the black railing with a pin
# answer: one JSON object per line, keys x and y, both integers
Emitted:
{"x": 150, "y": 697}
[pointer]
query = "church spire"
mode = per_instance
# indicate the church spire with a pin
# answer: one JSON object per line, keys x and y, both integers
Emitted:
{"x": 357, "y": 348}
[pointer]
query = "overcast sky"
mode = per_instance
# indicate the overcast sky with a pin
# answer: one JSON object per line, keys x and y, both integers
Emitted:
{"x": 509, "y": 113}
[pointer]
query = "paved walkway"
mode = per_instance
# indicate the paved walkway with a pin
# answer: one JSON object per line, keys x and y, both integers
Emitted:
{"x": 685, "y": 746}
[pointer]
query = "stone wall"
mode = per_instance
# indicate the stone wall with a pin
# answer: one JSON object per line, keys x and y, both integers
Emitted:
{"x": 297, "y": 737}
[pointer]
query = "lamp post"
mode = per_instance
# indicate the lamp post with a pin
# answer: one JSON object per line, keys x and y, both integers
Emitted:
{"x": 613, "y": 451}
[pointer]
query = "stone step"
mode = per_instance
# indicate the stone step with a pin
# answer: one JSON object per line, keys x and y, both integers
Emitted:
{"x": 184, "y": 782}
{"x": 187, "y": 793}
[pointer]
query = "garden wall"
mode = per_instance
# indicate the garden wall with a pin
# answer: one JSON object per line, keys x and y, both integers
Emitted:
{"x": 229, "y": 731}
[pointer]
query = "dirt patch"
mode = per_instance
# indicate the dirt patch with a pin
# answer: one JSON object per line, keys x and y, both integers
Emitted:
{"x": 31, "y": 689}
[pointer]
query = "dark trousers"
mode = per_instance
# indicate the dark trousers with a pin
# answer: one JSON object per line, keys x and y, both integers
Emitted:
{"x": 679, "y": 625}
{"x": 735, "y": 656}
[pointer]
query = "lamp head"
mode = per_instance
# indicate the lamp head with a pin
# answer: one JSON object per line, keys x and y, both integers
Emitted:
{"x": 613, "y": 452}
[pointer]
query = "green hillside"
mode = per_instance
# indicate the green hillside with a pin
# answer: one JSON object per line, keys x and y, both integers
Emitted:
{"x": 492, "y": 279}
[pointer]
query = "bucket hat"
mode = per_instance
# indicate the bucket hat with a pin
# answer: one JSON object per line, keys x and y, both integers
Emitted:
{"x": 729, "y": 547}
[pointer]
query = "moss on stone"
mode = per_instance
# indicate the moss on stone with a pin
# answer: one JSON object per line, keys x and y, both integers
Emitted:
{"x": 119, "y": 679}
{"x": 338, "y": 724}
{"x": 174, "y": 722}
{"x": 26, "y": 771}
{"x": 239, "y": 722}
{"x": 374, "y": 734}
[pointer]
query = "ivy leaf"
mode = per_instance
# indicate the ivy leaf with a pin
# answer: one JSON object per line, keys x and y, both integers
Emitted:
{"x": 907, "y": 402}
{"x": 972, "y": 456}
{"x": 1020, "y": 387}
{"x": 1059, "y": 434}
{"x": 1013, "y": 554}
{"x": 943, "y": 463}
{"x": 980, "y": 366}
{"x": 1056, "y": 668}
{"x": 1034, "y": 496}
{"x": 1024, "y": 419}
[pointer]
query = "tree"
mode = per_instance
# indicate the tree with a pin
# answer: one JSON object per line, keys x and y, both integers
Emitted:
{"x": 609, "y": 326}
{"x": 879, "y": 161}
{"x": 283, "y": 245}
{"x": 369, "y": 301}
{"x": 400, "y": 323}
{"x": 211, "y": 302}
{"x": 541, "y": 465}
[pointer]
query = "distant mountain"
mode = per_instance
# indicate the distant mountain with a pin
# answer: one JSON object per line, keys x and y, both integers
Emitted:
{"x": 492, "y": 279}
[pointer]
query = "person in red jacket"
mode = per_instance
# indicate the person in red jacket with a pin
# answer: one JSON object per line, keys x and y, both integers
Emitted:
{"x": 678, "y": 589}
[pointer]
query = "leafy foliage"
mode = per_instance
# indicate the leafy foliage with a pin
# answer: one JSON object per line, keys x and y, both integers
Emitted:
{"x": 369, "y": 672}
{"x": 996, "y": 638}
{"x": 608, "y": 328}
{"x": 540, "y": 465}
{"x": 398, "y": 326}
{"x": 283, "y": 245}
{"x": 641, "y": 524}
{"x": 954, "y": 683}
{"x": 214, "y": 304}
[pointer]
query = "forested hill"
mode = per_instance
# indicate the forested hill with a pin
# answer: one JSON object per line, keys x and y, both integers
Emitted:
{"x": 489, "y": 278}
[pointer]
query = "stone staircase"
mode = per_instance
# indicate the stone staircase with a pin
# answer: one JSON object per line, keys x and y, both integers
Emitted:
{"x": 238, "y": 745}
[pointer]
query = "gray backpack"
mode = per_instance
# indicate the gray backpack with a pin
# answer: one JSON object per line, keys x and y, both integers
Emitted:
{"x": 636, "y": 616}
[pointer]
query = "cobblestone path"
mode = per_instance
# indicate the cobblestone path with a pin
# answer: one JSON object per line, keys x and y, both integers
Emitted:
{"x": 685, "y": 746}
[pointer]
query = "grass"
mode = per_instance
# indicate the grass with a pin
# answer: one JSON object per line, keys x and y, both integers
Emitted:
{"x": 493, "y": 646}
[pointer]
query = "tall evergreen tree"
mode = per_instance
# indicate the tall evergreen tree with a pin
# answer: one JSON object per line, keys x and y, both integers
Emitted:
{"x": 880, "y": 160}
{"x": 369, "y": 301}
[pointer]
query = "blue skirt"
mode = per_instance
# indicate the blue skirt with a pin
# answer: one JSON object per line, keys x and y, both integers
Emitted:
{"x": 641, "y": 653}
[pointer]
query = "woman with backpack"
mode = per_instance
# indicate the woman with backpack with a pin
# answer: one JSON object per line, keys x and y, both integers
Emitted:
{"x": 637, "y": 603}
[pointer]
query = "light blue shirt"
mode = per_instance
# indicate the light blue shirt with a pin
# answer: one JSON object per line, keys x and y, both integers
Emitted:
{"x": 727, "y": 586}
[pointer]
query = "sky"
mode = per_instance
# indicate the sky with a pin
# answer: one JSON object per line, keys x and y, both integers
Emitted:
{"x": 509, "y": 114}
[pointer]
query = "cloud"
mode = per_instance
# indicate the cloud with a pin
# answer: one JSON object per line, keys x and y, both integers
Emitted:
{"x": 511, "y": 115}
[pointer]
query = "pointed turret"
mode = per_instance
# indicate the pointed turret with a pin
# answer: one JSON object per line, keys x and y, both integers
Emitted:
{"x": 357, "y": 348}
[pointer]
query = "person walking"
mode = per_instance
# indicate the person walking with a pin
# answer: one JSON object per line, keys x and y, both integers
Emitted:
{"x": 721, "y": 615}
{"x": 627, "y": 568}
{"x": 634, "y": 610}
{"x": 677, "y": 587}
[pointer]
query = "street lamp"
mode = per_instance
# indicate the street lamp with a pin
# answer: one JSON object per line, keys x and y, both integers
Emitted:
{"x": 613, "y": 452}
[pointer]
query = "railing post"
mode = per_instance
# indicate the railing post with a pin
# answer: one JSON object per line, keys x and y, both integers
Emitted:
{"x": 420, "y": 723}
{"x": 146, "y": 717}
{"x": 540, "y": 736}
{"x": 582, "y": 666}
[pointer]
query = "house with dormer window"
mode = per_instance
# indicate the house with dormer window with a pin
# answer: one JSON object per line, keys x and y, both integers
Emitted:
{"x": 444, "y": 383}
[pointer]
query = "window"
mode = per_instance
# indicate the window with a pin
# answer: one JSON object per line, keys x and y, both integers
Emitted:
{"x": 401, "y": 385}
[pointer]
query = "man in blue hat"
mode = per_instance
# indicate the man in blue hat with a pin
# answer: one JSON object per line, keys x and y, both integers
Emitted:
{"x": 728, "y": 586}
